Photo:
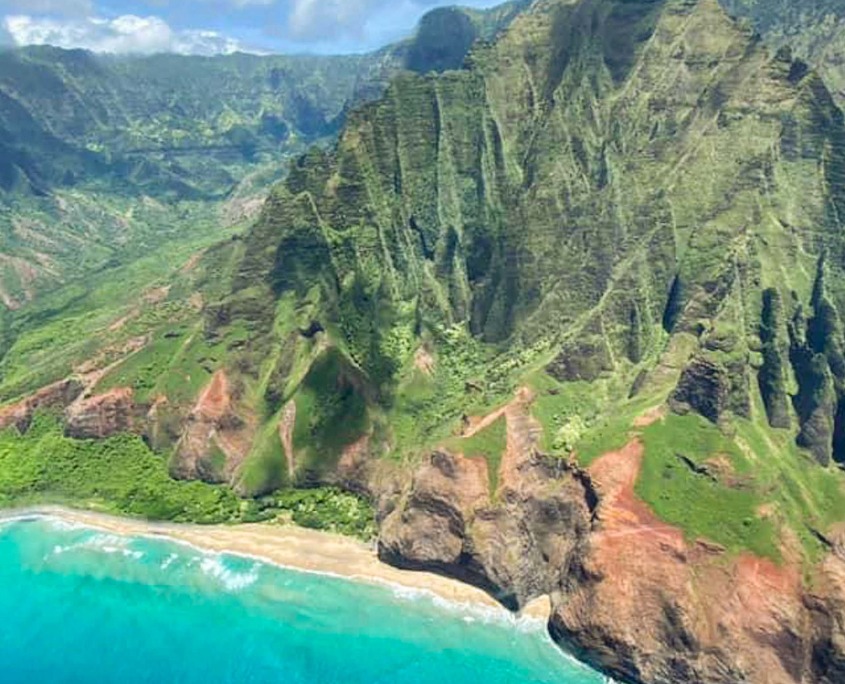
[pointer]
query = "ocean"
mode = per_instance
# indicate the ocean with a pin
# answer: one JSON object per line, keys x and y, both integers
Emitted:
{"x": 79, "y": 605}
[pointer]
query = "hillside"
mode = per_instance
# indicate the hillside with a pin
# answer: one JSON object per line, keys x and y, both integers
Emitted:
{"x": 569, "y": 317}
{"x": 813, "y": 29}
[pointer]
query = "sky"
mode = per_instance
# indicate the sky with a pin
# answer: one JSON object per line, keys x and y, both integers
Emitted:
{"x": 214, "y": 26}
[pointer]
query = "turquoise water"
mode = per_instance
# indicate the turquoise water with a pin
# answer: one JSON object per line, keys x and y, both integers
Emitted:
{"x": 81, "y": 605}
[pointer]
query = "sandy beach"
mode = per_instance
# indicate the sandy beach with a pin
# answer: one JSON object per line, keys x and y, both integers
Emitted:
{"x": 290, "y": 547}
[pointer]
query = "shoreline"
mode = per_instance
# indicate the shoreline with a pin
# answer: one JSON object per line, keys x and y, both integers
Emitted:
{"x": 291, "y": 548}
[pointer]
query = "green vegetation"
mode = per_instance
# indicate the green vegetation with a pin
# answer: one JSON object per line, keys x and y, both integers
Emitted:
{"x": 427, "y": 405}
{"x": 325, "y": 508}
{"x": 718, "y": 502}
{"x": 121, "y": 475}
{"x": 266, "y": 470}
{"x": 813, "y": 29}
{"x": 611, "y": 434}
{"x": 564, "y": 410}
{"x": 489, "y": 444}
{"x": 330, "y": 413}
{"x": 141, "y": 370}
{"x": 743, "y": 490}
{"x": 67, "y": 327}
{"x": 118, "y": 475}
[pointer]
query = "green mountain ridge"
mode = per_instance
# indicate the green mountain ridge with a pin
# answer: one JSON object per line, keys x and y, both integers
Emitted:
{"x": 434, "y": 228}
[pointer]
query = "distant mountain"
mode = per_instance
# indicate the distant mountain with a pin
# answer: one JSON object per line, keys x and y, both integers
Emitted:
{"x": 102, "y": 155}
{"x": 445, "y": 35}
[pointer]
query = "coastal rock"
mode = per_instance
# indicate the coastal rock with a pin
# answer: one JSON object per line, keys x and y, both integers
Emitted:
{"x": 652, "y": 607}
{"x": 630, "y": 595}
{"x": 101, "y": 416}
{"x": 518, "y": 543}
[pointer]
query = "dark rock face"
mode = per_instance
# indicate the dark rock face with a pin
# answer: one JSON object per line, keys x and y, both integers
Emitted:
{"x": 774, "y": 347}
{"x": 828, "y": 623}
{"x": 584, "y": 360}
{"x": 517, "y": 548}
{"x": 704, "y": 388}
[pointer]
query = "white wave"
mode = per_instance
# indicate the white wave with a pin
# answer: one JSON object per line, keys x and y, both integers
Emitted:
{"x": 112, "y": 544}
{"x": 167, "y": 562}
{"x": 61, "y": 525}
{"x": 488, "y": 614}
{"x": 213, "y": 566}
{"x": 13, "y": 518}
{"x": 102, "y": 543}
{"x": 469, "y": 612}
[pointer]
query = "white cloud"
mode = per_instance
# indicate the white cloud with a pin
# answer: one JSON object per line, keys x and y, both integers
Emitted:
{"x": 127, "y": 34}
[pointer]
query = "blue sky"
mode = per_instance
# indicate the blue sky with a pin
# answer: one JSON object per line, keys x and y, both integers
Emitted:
{"x": 214, "y": 26}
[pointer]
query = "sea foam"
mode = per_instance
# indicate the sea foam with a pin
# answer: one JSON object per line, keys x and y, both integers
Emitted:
{"x": 214, "y": 566}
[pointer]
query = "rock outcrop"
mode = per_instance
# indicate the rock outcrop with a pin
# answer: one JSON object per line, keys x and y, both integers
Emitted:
{"x": 704, "y": 388}
{"x": 652, "y": 606}
{"x": 215, "y": 438}
{"x": 519, "y": 542}
{"x": 102, "y": 416}
{"x": 54, "y": 397}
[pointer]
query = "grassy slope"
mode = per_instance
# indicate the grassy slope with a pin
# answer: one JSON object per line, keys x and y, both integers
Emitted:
{"x": 51, "y": 336}
{"x": 489, "y": 444}
{"x": 751, "y": 488}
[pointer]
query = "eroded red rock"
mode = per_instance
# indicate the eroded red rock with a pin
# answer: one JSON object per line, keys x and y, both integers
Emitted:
{"x": 101, "y": 416}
